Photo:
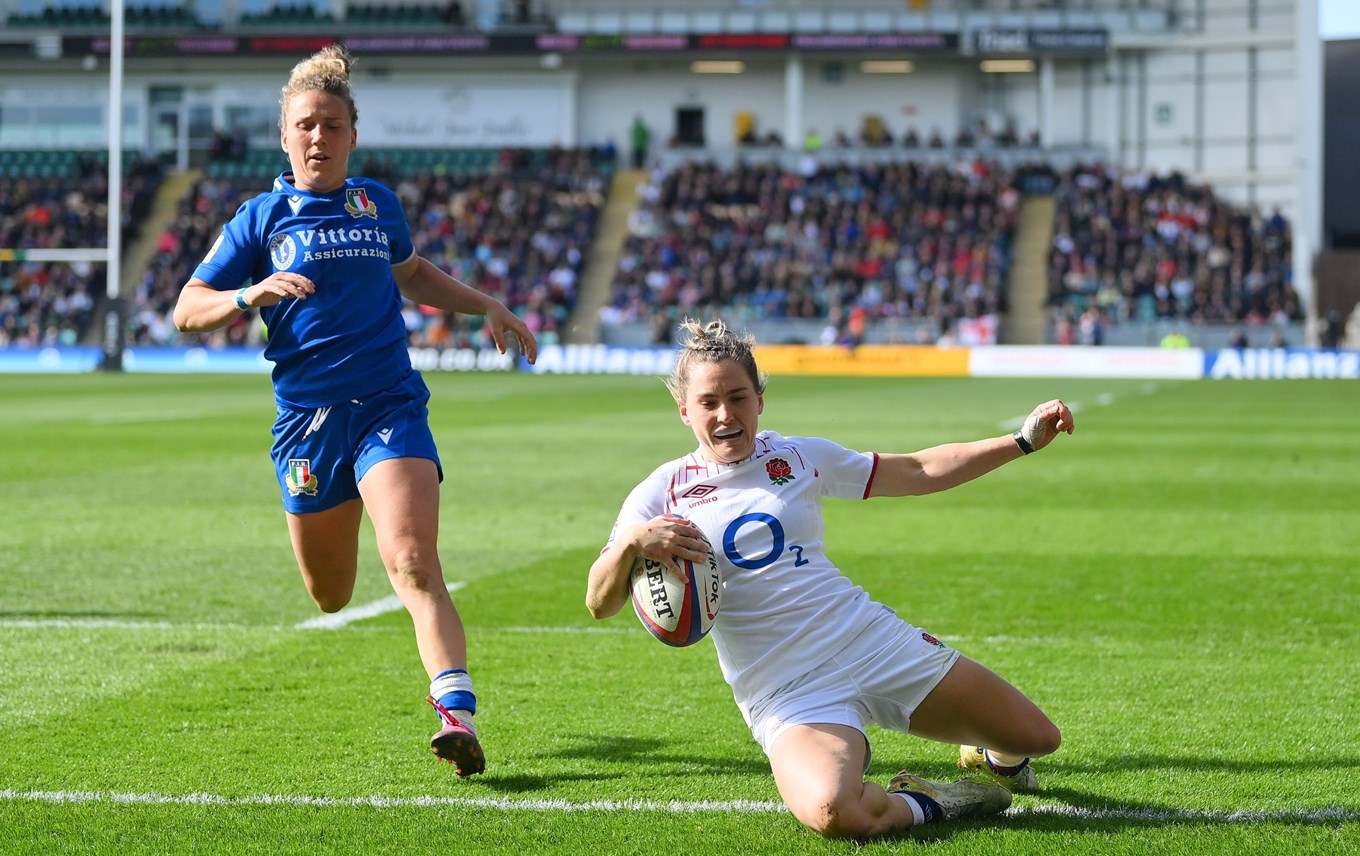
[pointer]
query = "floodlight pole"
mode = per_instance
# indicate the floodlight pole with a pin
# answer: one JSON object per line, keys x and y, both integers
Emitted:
{"x": 114, "y": 328}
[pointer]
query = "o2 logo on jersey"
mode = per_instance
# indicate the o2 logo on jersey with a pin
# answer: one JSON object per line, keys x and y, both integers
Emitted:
{"x": 776, "y": 530}
{"x": 282, "y": 251}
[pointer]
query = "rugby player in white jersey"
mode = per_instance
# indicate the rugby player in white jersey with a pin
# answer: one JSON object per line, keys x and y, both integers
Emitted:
{"x": 810, "y": 657}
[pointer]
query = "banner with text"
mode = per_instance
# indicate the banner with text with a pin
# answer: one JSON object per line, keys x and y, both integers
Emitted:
{"x": 1077, "y": 361}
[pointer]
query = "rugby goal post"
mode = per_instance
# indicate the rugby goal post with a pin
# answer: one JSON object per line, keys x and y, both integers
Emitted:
{"x": 112, "y": 338}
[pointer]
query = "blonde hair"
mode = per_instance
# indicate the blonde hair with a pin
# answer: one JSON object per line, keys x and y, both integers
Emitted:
{"x": 327, "y": 71}
{"x": 713, "y": 342}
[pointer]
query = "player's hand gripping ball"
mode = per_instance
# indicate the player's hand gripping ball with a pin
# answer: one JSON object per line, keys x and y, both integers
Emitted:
{"x": 677, "y": 611}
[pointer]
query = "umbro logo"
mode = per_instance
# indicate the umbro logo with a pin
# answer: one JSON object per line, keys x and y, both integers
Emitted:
{"x": 385, "y": 434}
{"x": 699, "y": 491}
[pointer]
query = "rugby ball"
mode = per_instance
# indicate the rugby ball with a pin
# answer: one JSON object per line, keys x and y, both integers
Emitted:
{"x": 679, "y": 612}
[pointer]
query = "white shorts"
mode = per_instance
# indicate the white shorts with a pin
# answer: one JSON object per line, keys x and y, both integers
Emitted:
{"x": 880, "y": 677}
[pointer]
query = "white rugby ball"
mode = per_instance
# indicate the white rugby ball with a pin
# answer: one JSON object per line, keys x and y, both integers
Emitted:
{"x": 679, "y": 612}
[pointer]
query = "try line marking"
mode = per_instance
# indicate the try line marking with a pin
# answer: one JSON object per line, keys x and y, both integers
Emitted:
{"x": 1318, "y": 815}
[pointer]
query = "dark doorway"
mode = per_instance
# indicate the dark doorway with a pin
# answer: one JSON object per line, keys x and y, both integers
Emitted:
{"x": 689, "y": 126}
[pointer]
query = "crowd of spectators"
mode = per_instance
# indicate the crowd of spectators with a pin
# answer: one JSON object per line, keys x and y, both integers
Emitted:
{"x": 843, "y": 244}
{"x": 519, "y": 231}
{"x": 52, "y": 303}
{"x": 1139, "y": 247}
{"x": 875, "y": 133}
{"x": 208, "y": 205}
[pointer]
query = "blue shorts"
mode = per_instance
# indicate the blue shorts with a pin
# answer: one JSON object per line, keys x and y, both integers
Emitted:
{"x": 320, "y": 454}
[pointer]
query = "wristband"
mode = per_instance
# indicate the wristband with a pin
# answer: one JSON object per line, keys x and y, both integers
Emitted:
{"x": 241, "y": 299}
{"x": 1024, "y": 445}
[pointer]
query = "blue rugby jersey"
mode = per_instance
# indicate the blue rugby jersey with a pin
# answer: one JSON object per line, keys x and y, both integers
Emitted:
{"x": 348, "y": 339}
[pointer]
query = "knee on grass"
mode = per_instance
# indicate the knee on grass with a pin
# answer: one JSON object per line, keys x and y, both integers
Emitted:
{"x": 838, "y": 819}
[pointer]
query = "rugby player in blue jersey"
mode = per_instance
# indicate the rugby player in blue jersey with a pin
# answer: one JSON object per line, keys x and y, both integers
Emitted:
{"x": 327, "y": 259}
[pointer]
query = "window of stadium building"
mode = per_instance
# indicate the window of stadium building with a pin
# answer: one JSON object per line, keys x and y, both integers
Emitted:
{"x": 260, "y": 124}
{"x": 68, "y": 126}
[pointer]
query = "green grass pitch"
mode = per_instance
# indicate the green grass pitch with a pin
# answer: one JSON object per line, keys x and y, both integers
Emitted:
{"x": 1175, "y": 585}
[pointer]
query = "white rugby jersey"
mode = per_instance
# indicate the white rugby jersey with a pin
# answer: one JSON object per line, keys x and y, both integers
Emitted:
{"x": 786, "y": 608}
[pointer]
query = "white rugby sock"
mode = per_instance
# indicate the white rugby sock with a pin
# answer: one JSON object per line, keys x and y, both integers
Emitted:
{"x": 1004, "y": 768}
{"x": 918, "y": 817}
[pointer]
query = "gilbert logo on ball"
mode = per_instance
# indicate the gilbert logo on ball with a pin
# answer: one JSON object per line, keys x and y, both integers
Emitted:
{"x": 676, "y": 611}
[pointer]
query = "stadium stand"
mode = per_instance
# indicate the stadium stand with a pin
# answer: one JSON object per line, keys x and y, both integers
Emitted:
{"x": 827, "y": 246}
{"x": 1139, "y": 248}
{"x": 845, "y": 246}
{"x": 288, "y": 16}
{"x": 519, "y": 231}
{"x": 58, "y": 200}
{"x": 515, "y": 223}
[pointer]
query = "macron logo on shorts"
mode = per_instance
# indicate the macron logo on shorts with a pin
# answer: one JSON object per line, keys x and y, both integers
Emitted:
{"x": 385, "y": 434}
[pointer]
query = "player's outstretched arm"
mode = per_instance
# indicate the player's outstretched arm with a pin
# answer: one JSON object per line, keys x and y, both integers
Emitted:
{"x": 942, "y": 467}
{"x": 424, "y": 283}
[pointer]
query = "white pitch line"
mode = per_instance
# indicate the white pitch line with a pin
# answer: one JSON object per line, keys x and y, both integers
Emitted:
{"x": 1317, "y": 815}
{"x": 668, "y": 807}
{"x": 320, "y": 623}
{"x": 351, "y": 614}
{"x": 98, "y": 623}
{"x": 330, "y": 621}
{"x": 1161, "y": 815}
{"x": 114, "y": 624}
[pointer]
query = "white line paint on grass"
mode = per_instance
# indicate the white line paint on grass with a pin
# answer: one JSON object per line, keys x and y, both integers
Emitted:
{"x": 329, "y": 621}
{"x": 1146, "y": 815}
{"x": 372, "y": 609}
{"x": 667, "y": 807}
{"x": 1159, "y": 815}
{"x": 107, "y": 623}
{"x": 97, "y": 623}
{"x": 351, "y": 614}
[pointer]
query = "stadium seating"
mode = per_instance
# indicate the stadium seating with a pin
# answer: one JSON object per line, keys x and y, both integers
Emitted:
{"x": 1141, "y": 248}
{"x": 840, "y": 244}
{"x": 65, "y": 17}
{"x": 403, "y": 15}
{"x": 48, "y": 206}
{"x": 516, "y": 223}
{"x": 288, "y": 15}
